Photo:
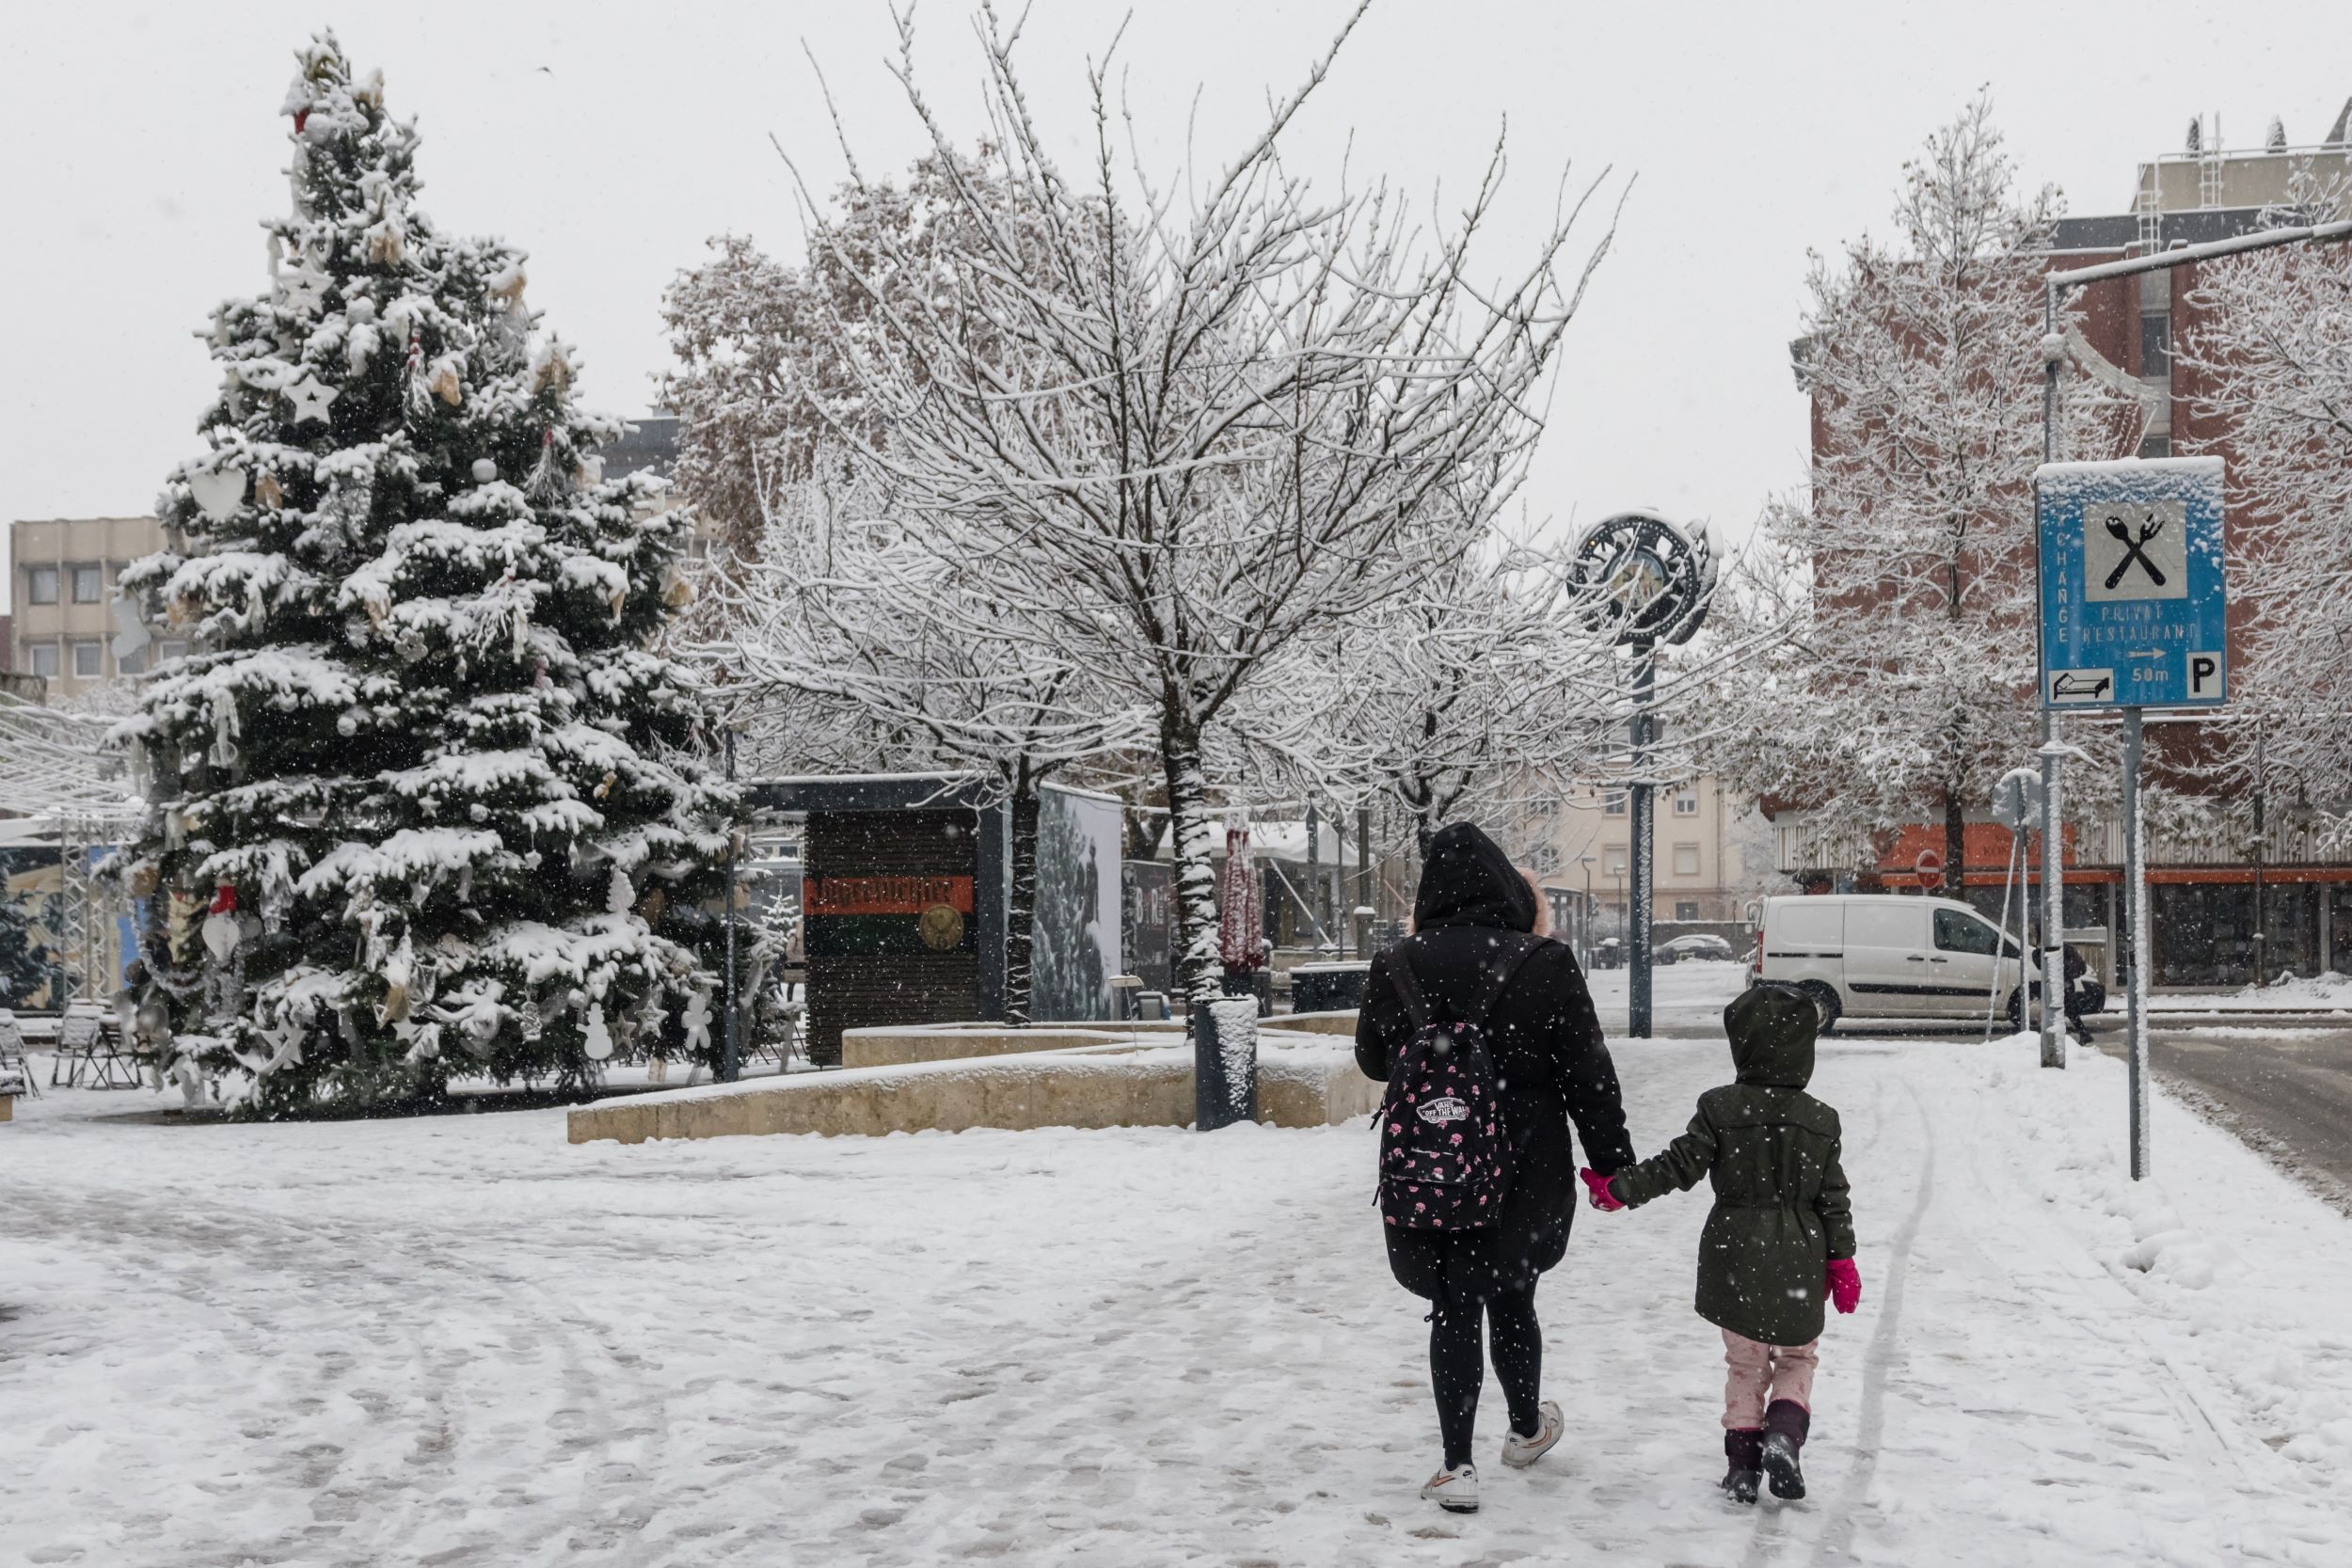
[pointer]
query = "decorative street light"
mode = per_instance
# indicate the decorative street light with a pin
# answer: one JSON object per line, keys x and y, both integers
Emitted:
{"x": 1643, "y": 582}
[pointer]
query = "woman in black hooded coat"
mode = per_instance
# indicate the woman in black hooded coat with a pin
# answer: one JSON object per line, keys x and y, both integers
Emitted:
{"x": 1473, "y": 909}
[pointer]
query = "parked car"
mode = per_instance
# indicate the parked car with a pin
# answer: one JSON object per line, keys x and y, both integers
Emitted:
{"x": 1892, "y": 956}
{"x": 1697, "y": 945}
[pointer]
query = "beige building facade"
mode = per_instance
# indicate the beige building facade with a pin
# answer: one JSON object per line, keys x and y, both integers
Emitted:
{"x": 1708, "y": 867}
{"x": 64, "y": 577}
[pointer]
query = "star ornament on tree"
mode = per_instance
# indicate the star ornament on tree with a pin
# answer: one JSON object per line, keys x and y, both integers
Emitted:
{"x": 303, "y": 289}
{"x": 311, "y": 397}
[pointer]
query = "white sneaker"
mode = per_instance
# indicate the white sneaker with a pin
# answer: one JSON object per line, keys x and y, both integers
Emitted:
{"x": 1519, "y": 1452}
{"x": 1456, "y": 1490}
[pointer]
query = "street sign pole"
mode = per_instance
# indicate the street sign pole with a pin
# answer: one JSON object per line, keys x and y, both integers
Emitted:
{"x": 2134, "y": 615}
{"x": 2053, "y": 830}
{"x": 2052, "y": 903}
{"x": 2136, "y": 922}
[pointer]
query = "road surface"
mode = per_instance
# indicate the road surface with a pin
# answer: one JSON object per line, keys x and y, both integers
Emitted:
{"x": 2285, "y": 1089}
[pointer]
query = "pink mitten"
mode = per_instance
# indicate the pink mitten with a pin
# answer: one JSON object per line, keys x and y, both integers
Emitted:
{"x": 1597, "y": 1187}
{"x": 1845, "y": 1284}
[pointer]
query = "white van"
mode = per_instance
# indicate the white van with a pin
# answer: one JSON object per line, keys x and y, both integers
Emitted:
{"x": 1891, "y": 956}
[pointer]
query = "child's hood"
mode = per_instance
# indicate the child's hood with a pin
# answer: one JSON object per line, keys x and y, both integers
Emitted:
{"x": 1772, "y": 1028}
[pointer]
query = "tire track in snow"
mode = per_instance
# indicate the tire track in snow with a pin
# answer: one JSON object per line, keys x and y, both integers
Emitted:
{"x": 1836, "y": 1543}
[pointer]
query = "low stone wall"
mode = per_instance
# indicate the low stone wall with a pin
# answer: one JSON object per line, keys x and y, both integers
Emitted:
{"x": 1116, "y": 1083}
{"x": 893, "y": 1045}
{"x": 1319, "y": 1024}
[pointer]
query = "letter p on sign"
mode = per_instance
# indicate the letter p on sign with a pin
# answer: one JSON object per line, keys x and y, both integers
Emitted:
{"x": 2204, "y": 675}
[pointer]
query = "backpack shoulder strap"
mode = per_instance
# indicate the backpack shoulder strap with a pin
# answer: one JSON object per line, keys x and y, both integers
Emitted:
{"x": 1498, "y": 980}
{"x": 1407, "y": 989}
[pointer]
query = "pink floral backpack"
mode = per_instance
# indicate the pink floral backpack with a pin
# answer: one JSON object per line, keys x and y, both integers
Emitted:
{"x": 1445, "y": 1157}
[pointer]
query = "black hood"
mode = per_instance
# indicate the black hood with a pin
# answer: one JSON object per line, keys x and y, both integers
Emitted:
{"x": 1469, "y": 880}
{"x": 1772, "y": 1028}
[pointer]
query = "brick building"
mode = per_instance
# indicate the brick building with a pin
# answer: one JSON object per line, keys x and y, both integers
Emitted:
{"x": 2209, "y": 924}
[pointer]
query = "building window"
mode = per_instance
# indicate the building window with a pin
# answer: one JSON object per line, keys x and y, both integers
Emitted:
{"x": 42, "y": 585}
{"x": 89, "y": 584}
{"x": 1686, "y": 909}
{"x": 1612, "y": 802}
{"x": 89, "y": 660}
{"x": 1686, "y": 860}
{"x": 1542, "y": 806}
{"x": 1544, "y": 860}
{"x": 1611, "y": 861}
{"x": 132, "y": 664}
{"x": 41, "y": 657}
{"x": 2155, "y": 446}
{"x": 1686, "y": 802}
{"x": 2155, "y": 347}
{"x": 171, "y": 647}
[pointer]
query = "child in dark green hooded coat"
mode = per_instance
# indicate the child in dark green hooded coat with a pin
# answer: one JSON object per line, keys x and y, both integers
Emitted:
{"x": 1779, "y": 1239}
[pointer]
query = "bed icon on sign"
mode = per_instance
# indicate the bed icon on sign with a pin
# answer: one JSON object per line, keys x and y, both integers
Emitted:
{"x": 2082, "y": 686}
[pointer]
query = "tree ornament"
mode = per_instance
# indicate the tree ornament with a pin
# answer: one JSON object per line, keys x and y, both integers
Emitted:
{"x": 444, "y": 382}
{"x": 618, "y": 893}
{"x": 221, "y": 932}
{"x": 304, "y": 288}
{"x": 597, "y": 1042}
{"x": 528, "y": 1020}
{"x": 219, "y": 492}
{"x": 484, "y": 471}
{"x": 697, "y": 1021}
{"x": 268, "y": 492}
{"x": 311, "y": 398}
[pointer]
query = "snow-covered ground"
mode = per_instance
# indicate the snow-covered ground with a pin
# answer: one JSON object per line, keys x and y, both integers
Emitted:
{"x": 1685, "y": 998}
{"x": 462, "y": 1340}
{"x": 2329, "y": 992}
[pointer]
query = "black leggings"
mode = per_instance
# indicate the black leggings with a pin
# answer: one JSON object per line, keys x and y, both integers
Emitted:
{"x": 1515, "y": 1340}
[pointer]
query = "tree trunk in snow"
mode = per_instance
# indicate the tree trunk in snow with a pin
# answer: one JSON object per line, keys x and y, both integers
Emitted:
{"x": 1201, "y": 968}
{"x": 1021, "y": 907}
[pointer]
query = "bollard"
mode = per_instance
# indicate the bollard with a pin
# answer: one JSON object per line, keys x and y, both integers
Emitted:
{"x": 1224, "y": 1063}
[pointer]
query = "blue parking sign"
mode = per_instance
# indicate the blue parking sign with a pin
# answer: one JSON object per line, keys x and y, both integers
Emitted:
{"x": 2134, "y": 598}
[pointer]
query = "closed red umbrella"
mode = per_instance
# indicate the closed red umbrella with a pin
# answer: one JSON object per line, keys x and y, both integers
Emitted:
{"x": 1239, "y": 929}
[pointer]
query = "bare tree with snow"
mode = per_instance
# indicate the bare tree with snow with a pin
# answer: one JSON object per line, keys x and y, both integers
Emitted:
{"x": 854, "y": 644}
{"x": 1208, "y": 417}
{"x": 1910, "y": 686}
{"x": 2273, "y": 342}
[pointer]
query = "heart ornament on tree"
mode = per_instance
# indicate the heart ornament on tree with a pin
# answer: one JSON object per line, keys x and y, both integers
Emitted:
{"x": 219, "y": 492}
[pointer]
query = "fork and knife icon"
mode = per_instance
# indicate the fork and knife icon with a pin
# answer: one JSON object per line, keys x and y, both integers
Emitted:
{"x": 2135, "y": 549}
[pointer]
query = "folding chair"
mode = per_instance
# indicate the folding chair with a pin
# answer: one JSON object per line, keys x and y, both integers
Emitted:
{"x": 85, "y": 1047}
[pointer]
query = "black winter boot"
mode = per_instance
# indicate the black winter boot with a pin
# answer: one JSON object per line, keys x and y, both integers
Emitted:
{"x": 1786, "y": 1422}
{"x": 1745, "y": 1450}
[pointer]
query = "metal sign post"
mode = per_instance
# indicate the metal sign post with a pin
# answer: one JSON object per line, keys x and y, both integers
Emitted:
{"x": 2134, "y": 615}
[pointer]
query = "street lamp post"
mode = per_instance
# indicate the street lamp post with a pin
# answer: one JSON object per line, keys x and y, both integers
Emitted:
{"x": 1584, "y": 911}
{"x": 1644, "y": 582}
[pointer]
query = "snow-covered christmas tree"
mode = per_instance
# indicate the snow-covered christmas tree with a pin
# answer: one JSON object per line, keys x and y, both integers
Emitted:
{"x": 427, "y": 802}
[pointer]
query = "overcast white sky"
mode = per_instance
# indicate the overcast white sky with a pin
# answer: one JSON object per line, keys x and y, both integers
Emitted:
{"x": 143, "y": 145}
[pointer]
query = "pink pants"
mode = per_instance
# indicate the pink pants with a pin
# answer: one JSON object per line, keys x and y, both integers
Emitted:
{"x": 1760, "y": 1372}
